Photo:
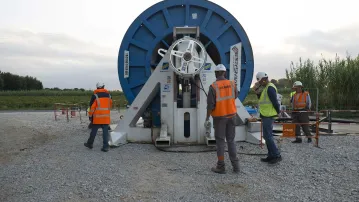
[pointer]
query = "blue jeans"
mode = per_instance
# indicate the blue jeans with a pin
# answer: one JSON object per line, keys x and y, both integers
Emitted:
{"x": 93, "y": 133}
{"x": 268, "y": 137}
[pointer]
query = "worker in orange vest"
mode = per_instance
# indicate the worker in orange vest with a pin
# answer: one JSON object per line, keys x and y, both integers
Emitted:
{"x": 301, "y": 104}
{"x": 221, "y": 106}
{"x": 100, "y": 109}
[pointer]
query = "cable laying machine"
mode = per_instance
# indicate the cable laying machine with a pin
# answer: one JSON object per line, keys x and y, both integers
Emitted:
{"x": 166, "y": 64}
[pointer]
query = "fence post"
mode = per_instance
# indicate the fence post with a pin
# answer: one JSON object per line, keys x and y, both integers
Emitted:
{"x": 317, "y": 100}
{"x": 317, "y": 130}
{"x": 329, "y": 121}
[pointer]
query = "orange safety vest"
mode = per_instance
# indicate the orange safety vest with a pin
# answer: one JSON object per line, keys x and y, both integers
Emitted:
{"x": 300, "y": 100}
{"x": 225, "y": 99}
{"x": 100, "y": 108}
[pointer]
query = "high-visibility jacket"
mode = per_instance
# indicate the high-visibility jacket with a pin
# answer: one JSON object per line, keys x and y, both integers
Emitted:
{"x": 300, "y": 100}
{"x": 101, "y": 104}
{"x": 292, "y": 93}
{"x": 266, "y": 107}
{"x": 225, "y": 99}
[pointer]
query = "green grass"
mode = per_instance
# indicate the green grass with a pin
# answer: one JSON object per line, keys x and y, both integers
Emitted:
{"x": 27, "y": 101}
{"x": 45, "y": 99}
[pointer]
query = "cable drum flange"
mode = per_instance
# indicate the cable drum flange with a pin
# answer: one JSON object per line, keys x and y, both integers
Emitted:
{"x": 153, "y": 29}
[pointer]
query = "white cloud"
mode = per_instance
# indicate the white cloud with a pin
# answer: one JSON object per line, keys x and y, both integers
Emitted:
{"x": 57, "y": 60}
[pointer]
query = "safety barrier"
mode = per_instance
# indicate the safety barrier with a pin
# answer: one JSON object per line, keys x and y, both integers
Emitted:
{"x": 64, "y": 109}
{"x": 288, "y": 129}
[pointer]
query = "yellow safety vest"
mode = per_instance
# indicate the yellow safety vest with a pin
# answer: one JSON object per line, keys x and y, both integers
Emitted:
{"x": 292, "y": 93}
{"x": 266, "y": 107}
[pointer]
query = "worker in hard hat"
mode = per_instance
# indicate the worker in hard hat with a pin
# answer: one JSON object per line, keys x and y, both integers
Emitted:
{"x": 269, "y": 109}
{"x": 100, "y": 104}
{"x": 221, "y": 106}
{"x": 301, "y": 104}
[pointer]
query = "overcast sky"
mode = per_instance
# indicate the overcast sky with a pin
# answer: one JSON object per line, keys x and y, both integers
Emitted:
{"x": 74, "y": 43}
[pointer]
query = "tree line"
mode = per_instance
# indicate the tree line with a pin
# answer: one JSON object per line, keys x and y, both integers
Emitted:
{"x": 336, "y": 81}
{"x": 14, "y": 82}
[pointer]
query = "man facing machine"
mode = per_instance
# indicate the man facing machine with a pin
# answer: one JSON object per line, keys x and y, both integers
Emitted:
{"x": 221, "y": 106}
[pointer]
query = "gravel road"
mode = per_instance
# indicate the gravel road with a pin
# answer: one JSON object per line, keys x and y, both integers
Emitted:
{"x": 45, "y": 160}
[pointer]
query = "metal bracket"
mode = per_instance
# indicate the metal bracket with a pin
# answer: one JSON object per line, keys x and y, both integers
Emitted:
{"x": 185, "y": 30}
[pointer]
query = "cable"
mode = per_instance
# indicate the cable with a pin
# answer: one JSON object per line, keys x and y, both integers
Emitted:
{"x": 204, "y": 150}
{"x": 194, "y": 82}
{"x": 202, "y": 87}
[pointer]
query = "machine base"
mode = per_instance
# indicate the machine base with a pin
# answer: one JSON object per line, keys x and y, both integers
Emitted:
{"x": 210, "y": 141}
{"x": 117, "y": 138}
{"x": 163, "y": 141}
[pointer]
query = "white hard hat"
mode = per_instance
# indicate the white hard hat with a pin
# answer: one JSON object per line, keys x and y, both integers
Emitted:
{"x": 297, "y": 83}
{"x": 100, "y": 85}
{"x": 220, "y": 67}
{"x": 261, "y": 75}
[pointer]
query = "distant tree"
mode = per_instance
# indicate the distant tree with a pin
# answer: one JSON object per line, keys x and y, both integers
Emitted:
{"x": 1, "y": 82}
{"x": 15, "y": 82}
{"x": 283, "y": 83}
{"x": 275, "y": 82}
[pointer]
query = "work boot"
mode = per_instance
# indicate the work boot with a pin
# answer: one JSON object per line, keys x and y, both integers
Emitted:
{"x": 220, "y": 168}
{"x": 275, "y": 160}
{"x": 267, "y": 159}
{"x": 88, "y": 145}
{"x": 235, "y": 165}
{"x": 297, "y": 140}
{"x": 104, "y": 149}
{"x": 309, "y": 140}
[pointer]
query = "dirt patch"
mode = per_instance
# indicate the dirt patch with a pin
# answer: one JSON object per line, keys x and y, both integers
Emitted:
{"x": 17, "y": 138}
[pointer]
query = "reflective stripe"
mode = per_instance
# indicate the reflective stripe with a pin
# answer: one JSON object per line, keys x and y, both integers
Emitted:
{"x": 101, "y": 115}
{"x": 299, "y": 101}
{"x": 98, "y": 104}
{"x": 218, "y": 97}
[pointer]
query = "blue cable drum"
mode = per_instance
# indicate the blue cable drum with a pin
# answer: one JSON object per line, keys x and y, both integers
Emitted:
{"x": 153, "y": 29}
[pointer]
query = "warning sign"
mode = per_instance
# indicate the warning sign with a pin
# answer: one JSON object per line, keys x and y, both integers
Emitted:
{"x": 288, "y": 130}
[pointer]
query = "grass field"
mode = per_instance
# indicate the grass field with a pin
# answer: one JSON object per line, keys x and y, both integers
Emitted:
{"x": 22, "y": 100}
{"x": 45, "y": 99}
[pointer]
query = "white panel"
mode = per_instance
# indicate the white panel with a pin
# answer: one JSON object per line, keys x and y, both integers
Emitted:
{"x": 139, "y": 134}
{"x": 241, "y": 133}
{"x": 179, "y": 126}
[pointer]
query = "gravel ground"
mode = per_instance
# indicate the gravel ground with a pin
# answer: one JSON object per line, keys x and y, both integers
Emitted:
{"x": 44, "y": 160}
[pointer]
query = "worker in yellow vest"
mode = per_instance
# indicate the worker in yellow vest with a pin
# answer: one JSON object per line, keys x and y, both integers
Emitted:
{"x": 221, "y": 106}
{"x": 301, "y": 104}
{"x": 269, "y": 108}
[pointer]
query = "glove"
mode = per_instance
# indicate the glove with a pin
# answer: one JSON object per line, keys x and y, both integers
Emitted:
{"x": 207, "y": 124}
{"x": 252, "y": 119}
{"x": 90, "y": 118}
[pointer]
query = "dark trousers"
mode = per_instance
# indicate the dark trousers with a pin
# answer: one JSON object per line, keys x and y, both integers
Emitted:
{"x": 93, "y": 134}
{"x": 267, "y": 126}
{"x": 224, "y": 129}
{"x": 301, "y": 117}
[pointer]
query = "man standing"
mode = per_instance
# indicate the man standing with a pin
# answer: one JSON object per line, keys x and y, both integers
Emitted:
{"x": 301, "y": 104}
{"x": 99, "y": 114}
{"x": 268, "y": 108}
{"x": 222, "y": 107}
